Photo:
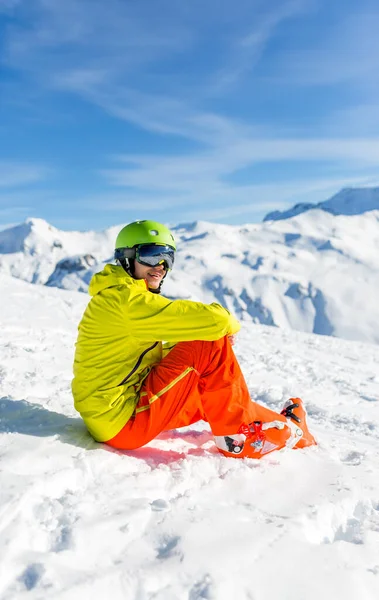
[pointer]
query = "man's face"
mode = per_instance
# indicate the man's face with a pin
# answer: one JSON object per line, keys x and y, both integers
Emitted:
{"x": 153, "y": 275}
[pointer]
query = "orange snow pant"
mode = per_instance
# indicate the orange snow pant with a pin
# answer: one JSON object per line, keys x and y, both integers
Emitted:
{"x": 196, "y": 380}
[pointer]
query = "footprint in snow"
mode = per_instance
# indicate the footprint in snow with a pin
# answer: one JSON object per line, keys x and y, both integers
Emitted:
{"x": 32, "y": 575}
{"x": 353, "y": 458}
{"x": 168, "y": 547}
{"x": 160, "y": 505}
{"x": 202, "y": 590}
{"x": 331, "y": 523}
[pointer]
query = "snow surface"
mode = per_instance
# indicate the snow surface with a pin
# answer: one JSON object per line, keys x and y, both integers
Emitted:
{"x": 176, "y": 520}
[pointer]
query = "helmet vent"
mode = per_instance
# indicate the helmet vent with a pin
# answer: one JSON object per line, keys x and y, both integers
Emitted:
{"x": 153, "y": 232}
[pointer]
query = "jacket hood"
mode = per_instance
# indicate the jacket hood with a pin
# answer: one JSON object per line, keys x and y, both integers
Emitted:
{"x": 111, "y": 276}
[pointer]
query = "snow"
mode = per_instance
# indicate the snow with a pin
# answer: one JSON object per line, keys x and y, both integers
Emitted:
{"x": 176, "y": 520}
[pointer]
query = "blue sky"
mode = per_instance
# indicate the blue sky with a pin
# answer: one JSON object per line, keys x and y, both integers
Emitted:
{"x": 180, "y": 110}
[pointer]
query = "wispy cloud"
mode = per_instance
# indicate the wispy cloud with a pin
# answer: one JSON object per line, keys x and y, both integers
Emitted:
{"x": 90, "y": 35}
{"x": 220, "y": 200}
{"x": 108, "y": 53}
{"x": 113, "y": 53}
{"x": 134, "y": 60}
{"x": 348, "y": 52}
{"x": 248, "y": 47}
{"x": 207, "y": 172}
{"x": 221, "y": 203}
{"x": 13, "y": 174}
{"x": 254, "y": 201}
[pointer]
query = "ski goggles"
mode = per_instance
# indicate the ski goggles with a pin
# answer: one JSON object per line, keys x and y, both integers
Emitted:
{"x": 152, "y": 255}
{"x": 149, "y": 255}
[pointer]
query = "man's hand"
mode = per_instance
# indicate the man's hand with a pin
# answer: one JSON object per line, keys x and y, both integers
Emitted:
{"x": 232, "y": 339}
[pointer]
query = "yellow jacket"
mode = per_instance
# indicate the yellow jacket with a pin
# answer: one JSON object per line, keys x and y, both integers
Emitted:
{"x": 120, "y": 339}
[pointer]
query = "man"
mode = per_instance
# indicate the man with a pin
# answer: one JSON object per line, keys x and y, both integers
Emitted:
{"x": 129, "y": 386}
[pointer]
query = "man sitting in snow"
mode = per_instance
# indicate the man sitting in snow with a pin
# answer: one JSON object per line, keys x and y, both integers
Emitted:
{"x": 129, "y": 387}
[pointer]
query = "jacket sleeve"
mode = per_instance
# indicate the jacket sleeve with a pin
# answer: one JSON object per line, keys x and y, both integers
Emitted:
{"x": 154, "y": 317}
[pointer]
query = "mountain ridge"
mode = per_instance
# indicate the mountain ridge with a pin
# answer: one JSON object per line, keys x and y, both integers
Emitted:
{"x": 348, "y": 202}
{"x": 316, "y": 271}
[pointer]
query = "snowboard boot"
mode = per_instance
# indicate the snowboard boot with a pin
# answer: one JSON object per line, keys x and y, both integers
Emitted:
{"x": 258, "y": 439}
{"x": 295, "y": 412}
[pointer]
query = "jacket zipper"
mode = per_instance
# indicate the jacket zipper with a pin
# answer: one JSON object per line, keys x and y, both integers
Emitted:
{"x": 137, "y": 364}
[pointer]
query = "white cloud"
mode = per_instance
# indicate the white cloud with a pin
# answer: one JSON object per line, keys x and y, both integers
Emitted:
{"x": 114, "y": 55}
{"x": 347, "y": 51}
{"x": 207, "y": 172}
{"x": 107, "y": 53}
{"x": 215, "y": 199}
{"x": 89, "y": 34}
{"x": 14, "y": 174}
{"x": 247, "y": 50}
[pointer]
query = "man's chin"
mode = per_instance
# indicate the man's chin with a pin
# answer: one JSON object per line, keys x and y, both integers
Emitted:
{"x": 154, "y": 284}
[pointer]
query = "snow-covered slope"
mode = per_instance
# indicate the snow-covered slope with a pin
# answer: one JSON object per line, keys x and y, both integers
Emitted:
{"x": 314, "y": 272}
{"x": 74, "y": 272}
{"x": 176, "y": 520}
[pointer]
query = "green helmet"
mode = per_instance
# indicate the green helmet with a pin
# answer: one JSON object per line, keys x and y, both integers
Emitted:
{"x": 144, "y": 232}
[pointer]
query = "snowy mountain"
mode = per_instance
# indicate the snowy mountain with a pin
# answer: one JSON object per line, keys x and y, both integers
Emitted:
{"x": 315, "y": 271}
{"x": 73, "y": 272}
{"x": 350, "y": 201}
{"x": 31, "y": 251}
{"x": 175, "y": 520}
